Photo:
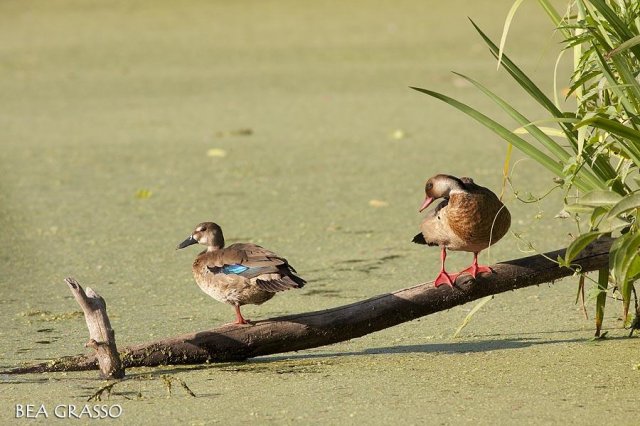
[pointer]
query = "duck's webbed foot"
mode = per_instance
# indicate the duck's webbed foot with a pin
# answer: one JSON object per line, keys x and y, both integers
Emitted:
{"x": 476, "y": 269}
{"x": 445, "y": 278}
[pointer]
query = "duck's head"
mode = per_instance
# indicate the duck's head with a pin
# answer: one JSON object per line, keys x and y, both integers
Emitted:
{"x": 206, "y": 233}
{"x": 439, "y": 186}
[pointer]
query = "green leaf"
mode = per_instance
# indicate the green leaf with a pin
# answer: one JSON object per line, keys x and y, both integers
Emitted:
{"x": 599, "y": 198}
{"x": 579, "y": 244}
{"x": 629, "y": 202}
{"x": 634, "y": 269}
{"x": 616, "y": 251}
{"x": 624, "y": 255}
{"x": 578, "y": 208}
{"x": 596, "y": 217}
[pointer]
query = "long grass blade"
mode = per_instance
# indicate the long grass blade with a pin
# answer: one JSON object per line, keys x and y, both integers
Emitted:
{"x": 609, "y": 73}
{"x": 600, "y": 166}
{"x": 549, "y": 131}
{"x": 584, "y": 78}
{"x": 505, "y": 169}
{"x": 555, "y": 17}
{"x": 555, "y": 80}
{"x": 503, "y": 132}
{"x": 470, "y": 315}
{"x": 624, "y": 46}
{"x": 621, "y": 29}
{"x": 547, "y": 142}
{"x": 629, "y": 81}
{"x": 535, "y": 131}
{"x": 626, "y": 75}
{"x": 521, "y": 78}
{"x": 505, "y": 29}
{"x": 612, "y": 126}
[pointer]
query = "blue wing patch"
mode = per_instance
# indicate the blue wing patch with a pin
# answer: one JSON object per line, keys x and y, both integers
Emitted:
{"x": 233, "y": 269}
{"x": 238, "y": 269}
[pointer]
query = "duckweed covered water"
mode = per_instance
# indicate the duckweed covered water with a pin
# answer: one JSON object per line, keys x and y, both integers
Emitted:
{"x": 126, "y": 123}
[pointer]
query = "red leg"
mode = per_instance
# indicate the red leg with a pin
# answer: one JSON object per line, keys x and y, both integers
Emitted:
{"x": 239, "y": 318}
{"x": 475, "y": 269}
{"x": 444, "y": 277}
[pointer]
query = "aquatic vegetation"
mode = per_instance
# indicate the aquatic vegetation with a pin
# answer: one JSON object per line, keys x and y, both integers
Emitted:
{"x": 593, "y": 150}
{"x": 216, "y": 152}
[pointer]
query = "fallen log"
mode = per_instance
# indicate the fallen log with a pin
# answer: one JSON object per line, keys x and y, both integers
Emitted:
{"x": 313, "y": 329}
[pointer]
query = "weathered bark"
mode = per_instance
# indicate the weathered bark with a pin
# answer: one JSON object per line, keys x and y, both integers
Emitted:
{"x": 101, "y": 336}
{"x": 313, "y": 329}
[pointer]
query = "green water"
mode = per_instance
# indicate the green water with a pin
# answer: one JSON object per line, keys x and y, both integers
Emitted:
{"x": 108, "y": 114}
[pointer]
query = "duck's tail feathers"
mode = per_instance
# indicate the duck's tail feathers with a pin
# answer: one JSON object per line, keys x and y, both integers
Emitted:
{"x": 298, "y": 280}
{"x": 285, "y": 282}
{"x": 291, "y": 274}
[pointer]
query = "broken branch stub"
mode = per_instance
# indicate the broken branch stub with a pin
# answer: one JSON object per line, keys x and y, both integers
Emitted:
{"x": 101, "y": 336}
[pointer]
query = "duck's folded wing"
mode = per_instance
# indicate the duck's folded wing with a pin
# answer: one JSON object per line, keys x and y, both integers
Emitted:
{"x": 266, "y": 269}
{"x": 269, "y": 278}
{"x": 248, "y": 255}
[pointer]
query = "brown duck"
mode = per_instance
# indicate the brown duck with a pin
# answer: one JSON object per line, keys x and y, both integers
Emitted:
{"x": 240, "y": 274}
{"x": 471, "y": 218}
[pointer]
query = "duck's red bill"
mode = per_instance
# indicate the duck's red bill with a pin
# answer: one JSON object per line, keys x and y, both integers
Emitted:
{"x": 426, "y": 203}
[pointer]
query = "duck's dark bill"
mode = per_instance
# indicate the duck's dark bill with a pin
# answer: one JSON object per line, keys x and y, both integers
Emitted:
{"x": 186, "y": 243}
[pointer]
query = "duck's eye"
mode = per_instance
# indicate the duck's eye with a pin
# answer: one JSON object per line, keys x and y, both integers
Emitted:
{"x": 429, "y": 185}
